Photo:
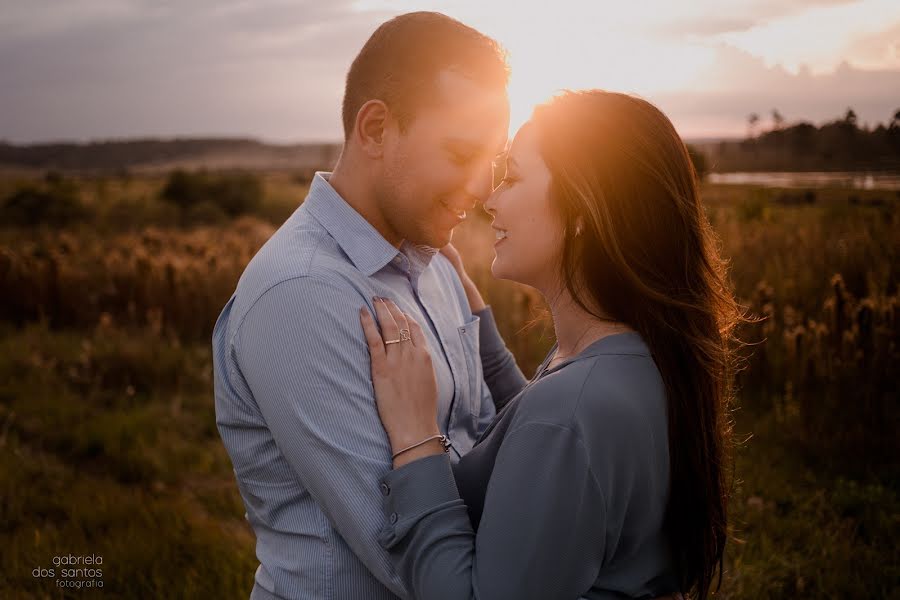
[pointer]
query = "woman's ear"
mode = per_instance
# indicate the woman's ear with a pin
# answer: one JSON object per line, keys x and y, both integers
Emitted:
{"x": 579, "y": 226}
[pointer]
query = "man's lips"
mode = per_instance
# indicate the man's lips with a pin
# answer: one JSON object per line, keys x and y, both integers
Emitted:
{"x": 458, "y": 213}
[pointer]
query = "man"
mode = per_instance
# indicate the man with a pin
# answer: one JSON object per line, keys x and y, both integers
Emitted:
{"x": 424, "y": 113}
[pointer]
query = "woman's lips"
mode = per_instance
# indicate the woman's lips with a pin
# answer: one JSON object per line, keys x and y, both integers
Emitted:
{"x": 500, "y": 234}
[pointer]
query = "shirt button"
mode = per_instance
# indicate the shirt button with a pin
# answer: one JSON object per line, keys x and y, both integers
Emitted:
{"x": 385, "y": 489}
{"x": 463, "y": 329}
{"x": 393, "y": 518}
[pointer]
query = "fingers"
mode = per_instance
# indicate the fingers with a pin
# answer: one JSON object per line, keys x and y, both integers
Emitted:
{"x": 452, "y": 254}
{"x": 389, "y": 328}
{"x": 392, "y": 320}
{"x": 415, "y": 331}
{"x": 449, "y": 250}
{"x": 373, "y": 338}
{"x": 399, "y": 316}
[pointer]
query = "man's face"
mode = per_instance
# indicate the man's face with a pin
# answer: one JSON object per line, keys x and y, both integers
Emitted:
{"x": 441, "y": 165}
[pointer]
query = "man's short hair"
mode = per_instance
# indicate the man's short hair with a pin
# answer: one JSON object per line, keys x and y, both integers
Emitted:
{"x": 400, "y": 62}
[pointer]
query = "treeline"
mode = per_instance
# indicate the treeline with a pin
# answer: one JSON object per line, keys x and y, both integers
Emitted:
{"x": 186, "y": 199}
{"x": 838, "y": 145}
{"x": 122, "y": 155}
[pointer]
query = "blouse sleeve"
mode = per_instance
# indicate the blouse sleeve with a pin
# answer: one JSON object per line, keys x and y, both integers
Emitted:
{"x": 542, "y": 533}
{"x": 501, "y": 373}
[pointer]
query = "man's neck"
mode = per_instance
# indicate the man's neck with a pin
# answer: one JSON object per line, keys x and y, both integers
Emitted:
{"x": 356, "y": 191}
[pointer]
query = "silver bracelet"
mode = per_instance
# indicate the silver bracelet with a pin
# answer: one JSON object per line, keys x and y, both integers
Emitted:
{"x": 443, "y": 438}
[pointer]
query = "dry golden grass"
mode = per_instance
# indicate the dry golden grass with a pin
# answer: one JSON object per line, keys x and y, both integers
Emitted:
{"x": 106, "y": 394}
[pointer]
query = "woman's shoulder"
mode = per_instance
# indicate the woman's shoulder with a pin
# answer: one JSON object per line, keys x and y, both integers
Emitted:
{"x": 614, "y": 383}
{"x": 614, "y": 404}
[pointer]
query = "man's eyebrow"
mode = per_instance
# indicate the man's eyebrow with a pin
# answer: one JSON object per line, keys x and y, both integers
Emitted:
{"x": 473, "y": 147}
{"x": 460, "y": 144}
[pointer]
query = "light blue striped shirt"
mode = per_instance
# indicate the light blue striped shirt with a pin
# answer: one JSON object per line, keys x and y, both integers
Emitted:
{"x": 294, "y": 399}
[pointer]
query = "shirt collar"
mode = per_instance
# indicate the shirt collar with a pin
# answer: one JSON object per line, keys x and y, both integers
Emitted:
{"x": 419, "y": 257}
{"x": 366, "y": 248}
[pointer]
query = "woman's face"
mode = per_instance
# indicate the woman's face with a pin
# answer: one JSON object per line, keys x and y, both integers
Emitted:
{"x": 529, "y": 230}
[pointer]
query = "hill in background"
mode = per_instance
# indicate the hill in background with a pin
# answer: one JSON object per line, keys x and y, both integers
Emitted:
{"x": 160, "y": 155}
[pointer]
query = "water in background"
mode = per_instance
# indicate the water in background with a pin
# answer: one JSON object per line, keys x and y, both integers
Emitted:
{"x": 848, "y": 179}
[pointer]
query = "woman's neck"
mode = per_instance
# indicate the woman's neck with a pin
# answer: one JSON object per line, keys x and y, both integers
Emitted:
{"x": 576, "y": 328}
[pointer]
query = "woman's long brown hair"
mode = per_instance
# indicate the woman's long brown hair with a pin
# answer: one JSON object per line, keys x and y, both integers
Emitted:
{"x": 647, "y": 256}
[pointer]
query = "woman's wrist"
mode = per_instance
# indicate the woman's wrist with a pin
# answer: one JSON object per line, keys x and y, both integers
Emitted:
{"x": 430, "y": 448}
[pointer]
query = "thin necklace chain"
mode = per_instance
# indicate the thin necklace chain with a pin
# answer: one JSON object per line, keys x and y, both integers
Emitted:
{"x": 578, "y": 341}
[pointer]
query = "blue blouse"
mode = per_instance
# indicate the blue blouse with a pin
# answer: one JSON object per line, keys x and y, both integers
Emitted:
{"x": 563, "y": 496}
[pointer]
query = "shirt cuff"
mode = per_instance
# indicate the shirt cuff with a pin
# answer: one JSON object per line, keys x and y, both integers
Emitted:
{"x": 490, "y": 340}
{"x": 413, "y": 492}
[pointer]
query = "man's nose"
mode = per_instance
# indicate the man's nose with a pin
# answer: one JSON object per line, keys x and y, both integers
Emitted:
{"x": 481, "y": 183}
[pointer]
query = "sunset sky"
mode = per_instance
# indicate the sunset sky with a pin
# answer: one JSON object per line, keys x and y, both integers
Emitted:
{"x": 272, "y": 69}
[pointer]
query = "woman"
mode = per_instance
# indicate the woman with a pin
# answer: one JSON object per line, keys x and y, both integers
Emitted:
{"x": 604, "y": 477}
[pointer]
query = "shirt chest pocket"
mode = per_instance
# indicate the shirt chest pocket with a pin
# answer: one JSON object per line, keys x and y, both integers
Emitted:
{"x": 473, "y": 377}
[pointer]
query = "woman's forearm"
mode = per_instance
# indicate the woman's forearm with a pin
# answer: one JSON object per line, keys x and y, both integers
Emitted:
{"x": 476, "y": 302}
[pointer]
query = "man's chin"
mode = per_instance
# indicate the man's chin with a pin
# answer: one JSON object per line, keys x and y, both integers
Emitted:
{"x": 435, "y": 239}
{"x": 444, "y": 238}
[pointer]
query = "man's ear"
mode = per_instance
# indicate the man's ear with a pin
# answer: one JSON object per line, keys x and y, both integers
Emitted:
{"x": 371, "y": 122}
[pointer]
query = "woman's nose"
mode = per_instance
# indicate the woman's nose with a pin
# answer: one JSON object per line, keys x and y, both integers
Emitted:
{"x": 488, "y": 204}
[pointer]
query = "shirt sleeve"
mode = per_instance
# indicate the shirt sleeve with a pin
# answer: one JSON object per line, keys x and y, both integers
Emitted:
{"x": 302, "y": 352}
{"x": 542, "y": 534}
{"x": 501, "y": 373}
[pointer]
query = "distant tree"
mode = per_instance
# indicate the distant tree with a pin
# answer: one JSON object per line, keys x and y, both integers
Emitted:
{"x": 699, "y": 161}
{"x": 802, "y": 138}
{"x": 184, "y": 189}
{"x": 777, "y": 119}
{"x": 56, "y": 203}
{"x": 843, "y": 143}
{"x": 237, "y": 194}
{"x": 752, "y": 122}
{"x": 233, "y": 194}
{"x": 893, "y": 133}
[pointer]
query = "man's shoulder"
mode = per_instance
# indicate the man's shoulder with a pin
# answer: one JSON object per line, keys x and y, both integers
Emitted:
{"x": 300, "y": 257}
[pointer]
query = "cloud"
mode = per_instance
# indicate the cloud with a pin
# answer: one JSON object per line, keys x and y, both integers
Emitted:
{"x": 737, "y": 84}
{"x": 271, "y": 69}
{"x": 880, "y": 48}
{"x": 701, "y": 19}
{"x": 275, "y": 68}
{"x": 820, "y": 36}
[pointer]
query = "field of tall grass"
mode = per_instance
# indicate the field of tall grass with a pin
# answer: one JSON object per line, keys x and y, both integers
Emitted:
{"x": 108, "y": 437}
